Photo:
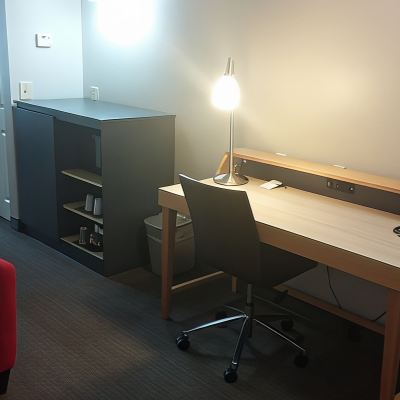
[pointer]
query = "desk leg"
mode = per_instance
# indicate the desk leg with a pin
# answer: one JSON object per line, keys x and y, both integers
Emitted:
{"x": 167, "y": 259}
{"x": 234, "y": 284}
{"x": 391, "y": 349}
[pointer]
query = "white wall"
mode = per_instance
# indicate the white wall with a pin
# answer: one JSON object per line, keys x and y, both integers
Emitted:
{"x": 55, "y": 72}
{"x": 319, "y": 78}
{"x": 320, "y": 81}
{"x": 323, "y": 82}
{"x": 172, "y": 70}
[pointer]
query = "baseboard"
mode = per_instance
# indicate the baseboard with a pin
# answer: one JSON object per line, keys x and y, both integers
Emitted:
{"x": 16, "y": 224}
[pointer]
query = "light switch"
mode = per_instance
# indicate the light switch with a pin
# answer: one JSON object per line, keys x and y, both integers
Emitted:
{"x": 43, "y": 40}
{"x": 25, "y": 90}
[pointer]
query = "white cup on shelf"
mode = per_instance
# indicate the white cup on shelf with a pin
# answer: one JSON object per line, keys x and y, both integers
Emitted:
{"x": 89, "y": 202}
{"x": 98, "y": 229}
{"x": 98, "y": 206}
{"x": 83, "y": 235}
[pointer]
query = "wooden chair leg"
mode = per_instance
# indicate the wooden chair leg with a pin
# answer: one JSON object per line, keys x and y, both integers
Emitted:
{"x": 4, "y": 376}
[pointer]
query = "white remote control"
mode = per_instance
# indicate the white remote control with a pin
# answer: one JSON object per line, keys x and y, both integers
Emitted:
{"x": 271, "y": 184}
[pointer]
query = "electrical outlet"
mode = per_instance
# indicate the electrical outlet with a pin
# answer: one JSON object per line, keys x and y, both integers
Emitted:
{"x": 340, "y": 186}
{"x": 25, "y": 90}
{"x": 94, "y": 93}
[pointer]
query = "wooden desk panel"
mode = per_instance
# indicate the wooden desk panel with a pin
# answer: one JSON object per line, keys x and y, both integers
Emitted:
{"x": 355, "y": 239}
{"x": 328, "y": 171}
{"x": 349, "y": 237}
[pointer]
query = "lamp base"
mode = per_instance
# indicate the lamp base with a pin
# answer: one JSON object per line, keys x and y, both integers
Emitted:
{"x": 230, "y": 179}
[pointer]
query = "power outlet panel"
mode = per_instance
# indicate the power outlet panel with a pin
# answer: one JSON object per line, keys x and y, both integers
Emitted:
{"x": 340, "y": 186}
{"x": 25, "y": 90}
{"x": 94, "y": 93}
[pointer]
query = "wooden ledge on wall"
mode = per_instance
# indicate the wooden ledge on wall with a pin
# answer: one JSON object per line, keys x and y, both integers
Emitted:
{"x": 328, "y": 171}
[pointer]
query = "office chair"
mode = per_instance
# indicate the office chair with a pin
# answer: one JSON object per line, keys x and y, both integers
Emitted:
{"x": 226, "y": 238}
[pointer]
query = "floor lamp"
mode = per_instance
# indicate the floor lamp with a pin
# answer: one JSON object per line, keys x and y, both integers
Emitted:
{"x": 226, "y": 97}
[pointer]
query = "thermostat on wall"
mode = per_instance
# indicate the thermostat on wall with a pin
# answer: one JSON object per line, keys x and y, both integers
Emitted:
{"x": 43, "y": 40}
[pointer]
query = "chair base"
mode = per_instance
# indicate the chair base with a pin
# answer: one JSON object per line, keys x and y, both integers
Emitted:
{"x": 4, "y": 377}
{"x": 247, "y": 318}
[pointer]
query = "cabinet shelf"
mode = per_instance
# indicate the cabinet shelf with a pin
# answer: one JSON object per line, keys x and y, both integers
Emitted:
{"x": 78, "y": 208}
{"x": 73, "y": 241}
{"x": 84, "y": 176}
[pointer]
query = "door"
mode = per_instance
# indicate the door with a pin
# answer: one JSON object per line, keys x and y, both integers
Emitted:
{"x": 4, "y": 188}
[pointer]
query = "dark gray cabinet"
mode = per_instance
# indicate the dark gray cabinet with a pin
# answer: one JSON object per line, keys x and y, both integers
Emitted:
{"x": 37, "y": 174}
{"x": 69, "y": 148}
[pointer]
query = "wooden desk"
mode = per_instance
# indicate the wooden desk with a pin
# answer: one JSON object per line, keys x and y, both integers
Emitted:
{"x": 352, "y": 238}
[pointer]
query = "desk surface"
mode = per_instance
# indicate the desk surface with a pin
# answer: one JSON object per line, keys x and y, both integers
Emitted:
{"x": 354, "y": 229}
{"x": 349, "y": 237}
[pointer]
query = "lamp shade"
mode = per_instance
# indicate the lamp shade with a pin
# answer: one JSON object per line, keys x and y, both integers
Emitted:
{"x": 226, "y": 93}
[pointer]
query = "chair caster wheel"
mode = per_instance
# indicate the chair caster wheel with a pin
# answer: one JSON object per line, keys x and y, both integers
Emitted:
{"x": 301, "y": 360}
{"x": 183, "y": 342}
{"x": 230, "y": 375}
{"x": 287, "y": 324}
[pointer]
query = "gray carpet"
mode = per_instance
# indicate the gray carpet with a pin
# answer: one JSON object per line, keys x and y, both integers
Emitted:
{"x": 83, "y": 336}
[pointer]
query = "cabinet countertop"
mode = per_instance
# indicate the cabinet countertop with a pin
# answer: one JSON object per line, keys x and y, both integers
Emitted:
{"x": 82, "y": 110}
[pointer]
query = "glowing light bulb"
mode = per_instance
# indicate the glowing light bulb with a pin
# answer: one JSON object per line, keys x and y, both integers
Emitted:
{"x": 125, "y": 22}
{"x": 226, "y": 93}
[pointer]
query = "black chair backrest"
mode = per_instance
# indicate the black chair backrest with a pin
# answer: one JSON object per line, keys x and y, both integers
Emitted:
{"x": 225, "y": 232}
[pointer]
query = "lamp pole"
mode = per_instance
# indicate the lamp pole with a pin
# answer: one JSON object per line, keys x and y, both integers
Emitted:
{"x": 231, "y": 130}
{"x": 231, "y": 178}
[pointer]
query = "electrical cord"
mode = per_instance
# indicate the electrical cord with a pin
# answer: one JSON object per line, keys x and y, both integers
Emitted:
{"x": 378, "y": 317}
{"x": 330, "y": 285}
{"x": 338, "y": 302}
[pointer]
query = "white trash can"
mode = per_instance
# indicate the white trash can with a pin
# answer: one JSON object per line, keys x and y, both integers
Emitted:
{"x": 184, "y": 243}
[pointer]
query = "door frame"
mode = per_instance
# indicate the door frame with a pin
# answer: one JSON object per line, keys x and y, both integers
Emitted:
{"x": 10, "y": 168}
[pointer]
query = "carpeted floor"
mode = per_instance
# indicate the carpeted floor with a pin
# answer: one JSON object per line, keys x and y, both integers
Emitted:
{"x": 83, "y": 336}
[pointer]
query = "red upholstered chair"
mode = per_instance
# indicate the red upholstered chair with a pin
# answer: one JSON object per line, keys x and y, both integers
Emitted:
{"x": 8, "y": 340}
